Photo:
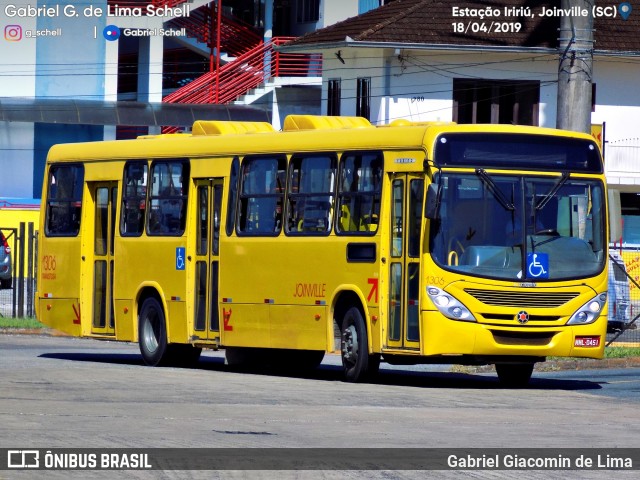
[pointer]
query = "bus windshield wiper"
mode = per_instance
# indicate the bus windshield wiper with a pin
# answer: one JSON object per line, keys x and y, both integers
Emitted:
{"x": 544, "y": 200}
{"x": 497, "y": 193}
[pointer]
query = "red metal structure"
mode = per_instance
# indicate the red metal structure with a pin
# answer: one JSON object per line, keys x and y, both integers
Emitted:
{"x": 254, "y": 61}
{"x": 246, "y": 72}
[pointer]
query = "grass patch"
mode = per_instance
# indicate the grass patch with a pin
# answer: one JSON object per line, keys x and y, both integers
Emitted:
{"x": 27, "y": 323}
{"x": 621, "y": 352}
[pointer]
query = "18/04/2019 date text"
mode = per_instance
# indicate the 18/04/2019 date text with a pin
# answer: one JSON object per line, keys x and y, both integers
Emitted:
{"x": 486, "y": 27}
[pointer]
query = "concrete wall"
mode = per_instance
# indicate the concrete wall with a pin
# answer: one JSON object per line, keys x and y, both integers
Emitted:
{"x": 295, "y": 100}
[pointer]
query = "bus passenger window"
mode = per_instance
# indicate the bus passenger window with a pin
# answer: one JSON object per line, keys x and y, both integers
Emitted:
{"x": 134, "y": 198}
{"x": 64, "y": 200}
{"x": 168, "y": 198}
{"x": 359, "y": 192}
{"x": 311, "y": 194}
{"x": 233, "y": 196}
{"x": 261, "y": 195}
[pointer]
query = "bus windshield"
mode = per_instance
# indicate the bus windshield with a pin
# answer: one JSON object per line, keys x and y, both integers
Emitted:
{"x": 519, "y": 227}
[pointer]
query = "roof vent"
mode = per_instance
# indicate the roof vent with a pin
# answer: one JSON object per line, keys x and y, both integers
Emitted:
{"x": 318, "y": 122}
{"x": 218, "y": 127}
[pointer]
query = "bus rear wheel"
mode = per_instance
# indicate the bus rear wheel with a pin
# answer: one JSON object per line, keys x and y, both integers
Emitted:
{"x": 514, "y": 375}
{"x": 357, "y": 364}
{"x": 152, "y": 333}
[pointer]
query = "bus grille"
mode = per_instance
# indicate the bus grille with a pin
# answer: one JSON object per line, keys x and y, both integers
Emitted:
{"x": 530, "y": 299}
{"x": 520, "y": 338}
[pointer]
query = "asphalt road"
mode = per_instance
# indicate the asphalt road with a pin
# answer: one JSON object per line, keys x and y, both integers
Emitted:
{"x": 61, "y": 392}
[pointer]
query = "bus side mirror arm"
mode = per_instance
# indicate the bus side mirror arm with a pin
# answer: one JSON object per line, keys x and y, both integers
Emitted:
{"x": 432, "y": 205}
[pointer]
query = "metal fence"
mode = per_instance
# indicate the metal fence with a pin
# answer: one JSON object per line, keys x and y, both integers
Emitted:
{"x": 624, "y": 297}
{"x": 18, "y": 299}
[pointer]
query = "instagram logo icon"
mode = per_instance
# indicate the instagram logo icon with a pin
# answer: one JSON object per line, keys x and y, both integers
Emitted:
{"x": 13, "y": 33}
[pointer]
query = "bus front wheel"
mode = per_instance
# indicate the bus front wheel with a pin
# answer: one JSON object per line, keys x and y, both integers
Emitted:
{"x": 357, "y": 364}
{"x": 152, "y": 333}
{"x": 514, "y": 375}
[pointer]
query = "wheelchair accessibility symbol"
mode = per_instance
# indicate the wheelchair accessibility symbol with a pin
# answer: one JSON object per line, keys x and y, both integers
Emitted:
{"x": 538, "y": 265}
{"x": 180, "y": 254}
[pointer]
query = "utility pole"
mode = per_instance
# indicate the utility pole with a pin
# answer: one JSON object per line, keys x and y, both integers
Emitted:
{"x": 576, "y": 66}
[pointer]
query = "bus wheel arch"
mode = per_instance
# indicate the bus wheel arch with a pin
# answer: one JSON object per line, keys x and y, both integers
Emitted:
{"x": 357, "y": 363}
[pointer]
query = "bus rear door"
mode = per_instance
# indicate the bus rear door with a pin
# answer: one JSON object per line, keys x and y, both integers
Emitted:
{"x": 207, "y": 259}
{"x": 105, "y": 198}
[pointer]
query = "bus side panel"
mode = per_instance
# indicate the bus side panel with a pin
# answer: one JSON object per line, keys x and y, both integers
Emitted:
{"x": 245, "y": 325}
{"x": 442, "y": 336}
{"x": 299, "y": 327}
{"x": 375, "y": 328}
{"x": 61, "y": 314}
{"x": 141, "y": 261}
{"x": 177, "y": 322}
{"x": 125, "y": 320}
{"x": 60, "y": 261}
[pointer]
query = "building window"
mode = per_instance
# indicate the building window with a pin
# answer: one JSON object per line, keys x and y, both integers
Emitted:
{"x": 333, "y": 97}
{"x": 363, "y": 98}
{"x": 496, "y": 101}
{"x": 308, "y": 11}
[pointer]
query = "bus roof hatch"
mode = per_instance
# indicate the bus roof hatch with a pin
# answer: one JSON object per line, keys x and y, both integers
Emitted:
{"x": 219, "y": 127}
{"x": 316, "y": 122}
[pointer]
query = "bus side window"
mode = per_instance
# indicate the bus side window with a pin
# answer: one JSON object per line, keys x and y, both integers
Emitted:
{"x": 134, "y": 198}
{"x": 261, "y": 195}
{"x": 64, "y": 200}
{"x": 311, "y": 194}
{"x": 168, "y": 198}
{"x": 359, "y": 193}
{"x": 233, "y": 195}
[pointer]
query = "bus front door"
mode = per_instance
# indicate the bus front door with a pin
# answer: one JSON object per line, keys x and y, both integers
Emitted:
{"x": 207, "y": 259}
{"x": 105, "y": 198}
{"x": 407, "y": 193}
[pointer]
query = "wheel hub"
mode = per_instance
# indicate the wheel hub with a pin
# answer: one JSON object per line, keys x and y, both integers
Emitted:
{"x": 350, "y": 345}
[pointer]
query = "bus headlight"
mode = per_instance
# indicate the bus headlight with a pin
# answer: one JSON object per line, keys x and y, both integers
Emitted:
{"x": 448, "y": 305}
{"x": 589, "y": 312}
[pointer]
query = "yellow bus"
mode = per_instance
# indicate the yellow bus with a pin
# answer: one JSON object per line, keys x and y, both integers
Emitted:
{"x": 410, "y": 242}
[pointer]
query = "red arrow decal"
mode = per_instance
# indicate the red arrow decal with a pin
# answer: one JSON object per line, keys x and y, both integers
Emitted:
{"x": 226, "y": 318}
{"x": 76, "y": 311}
{"x": 374, "y": 288}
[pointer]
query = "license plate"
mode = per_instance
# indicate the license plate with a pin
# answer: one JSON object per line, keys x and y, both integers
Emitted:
{"x": 587, "y": 341}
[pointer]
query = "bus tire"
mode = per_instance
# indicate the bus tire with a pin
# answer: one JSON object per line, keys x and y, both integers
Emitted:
{"x": 357, "y": 364}
{"x": 152, "y": 333}
{"x": 514, "y": 375}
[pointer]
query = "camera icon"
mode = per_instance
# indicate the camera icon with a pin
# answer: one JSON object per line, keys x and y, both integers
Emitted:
{"x": 13, "y": 33}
